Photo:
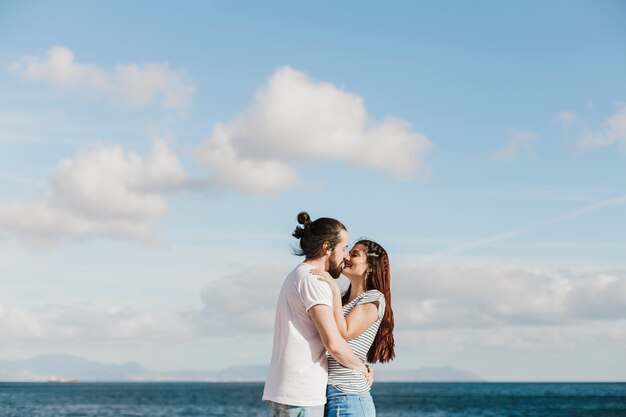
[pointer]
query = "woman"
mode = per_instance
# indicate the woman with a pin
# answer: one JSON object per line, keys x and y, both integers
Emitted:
{"x": 365, "y": 319}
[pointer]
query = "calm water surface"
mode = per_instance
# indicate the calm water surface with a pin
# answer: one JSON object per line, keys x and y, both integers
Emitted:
{"x": 243, "y": 399}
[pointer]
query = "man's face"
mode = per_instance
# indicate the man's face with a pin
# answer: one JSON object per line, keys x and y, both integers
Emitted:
{"x": 339, "y": 255}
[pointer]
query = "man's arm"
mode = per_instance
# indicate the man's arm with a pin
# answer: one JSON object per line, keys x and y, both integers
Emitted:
{"x": 322, "y": 316}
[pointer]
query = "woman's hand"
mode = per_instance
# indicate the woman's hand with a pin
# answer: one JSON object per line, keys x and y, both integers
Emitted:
{"x": 324, "y": 276}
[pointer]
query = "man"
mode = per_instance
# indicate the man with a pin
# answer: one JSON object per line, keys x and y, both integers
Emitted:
{"x": 305, "y": 327}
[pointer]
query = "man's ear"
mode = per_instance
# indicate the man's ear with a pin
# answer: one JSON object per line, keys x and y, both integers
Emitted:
{"x": 326, "y": 247}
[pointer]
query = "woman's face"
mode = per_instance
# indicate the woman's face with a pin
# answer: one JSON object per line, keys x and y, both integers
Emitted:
{"x": 357, "y": 265}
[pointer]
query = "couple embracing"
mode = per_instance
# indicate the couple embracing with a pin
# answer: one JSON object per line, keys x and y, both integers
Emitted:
{"x": 323, "y": 339}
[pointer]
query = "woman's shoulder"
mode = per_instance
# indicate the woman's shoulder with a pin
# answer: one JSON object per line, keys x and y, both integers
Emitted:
{"x": 372, "y": 296}
{"x": 375, "y": 298}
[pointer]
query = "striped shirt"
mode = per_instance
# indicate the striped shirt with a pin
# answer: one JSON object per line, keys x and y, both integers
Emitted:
{"x": 346, "y": 379}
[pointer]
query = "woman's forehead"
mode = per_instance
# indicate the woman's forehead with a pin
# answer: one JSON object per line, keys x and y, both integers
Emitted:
{"x": 359, "y": 247}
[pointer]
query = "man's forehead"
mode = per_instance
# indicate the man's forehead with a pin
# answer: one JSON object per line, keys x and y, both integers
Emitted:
{"x": 343, "y": 237}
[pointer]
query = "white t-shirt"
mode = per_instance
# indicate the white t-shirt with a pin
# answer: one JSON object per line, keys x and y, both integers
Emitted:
{"x": 298, "y": 371}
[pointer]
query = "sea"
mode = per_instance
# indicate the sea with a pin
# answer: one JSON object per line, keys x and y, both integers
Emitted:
{"x": 244, "y": 399}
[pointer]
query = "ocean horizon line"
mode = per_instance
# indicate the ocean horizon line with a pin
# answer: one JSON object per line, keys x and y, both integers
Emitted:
{"x": 263, "y": 381}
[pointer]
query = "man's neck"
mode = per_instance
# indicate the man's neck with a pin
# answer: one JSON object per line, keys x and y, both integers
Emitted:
{"x": 319, "y": 263}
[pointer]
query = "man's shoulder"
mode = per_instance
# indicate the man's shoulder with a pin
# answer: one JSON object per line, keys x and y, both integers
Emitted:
{"x": 299, "y": 275}
{"x": 300, "y": 272}
{"x": 305, "y": 282}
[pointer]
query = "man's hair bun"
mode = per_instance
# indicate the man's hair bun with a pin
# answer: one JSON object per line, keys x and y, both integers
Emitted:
{"x": 313, "y": 235}
{"x": 305, "y": 220}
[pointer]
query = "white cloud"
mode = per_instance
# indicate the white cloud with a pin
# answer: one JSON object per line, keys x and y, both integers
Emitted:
{"x": 242, "y": 302}
{"x": 295, "y": 120}
{"x": 612, "y": 132}
{"x": 248, "y": 175}
{"x": 509, "y": 338}
{"x": 103, "y": 191}
{"x": 58, "y": 324}
{"x": 524, "y": 338}
{"x": 566, "y": 118}
{"x": 435, "y": 297}
{"x": 480, "y": 296}
{"x": 133, "y": 84}
{"x": 513, "y": 340}
{"x": 602, "y": 296}
{"x": 519, "y": 142}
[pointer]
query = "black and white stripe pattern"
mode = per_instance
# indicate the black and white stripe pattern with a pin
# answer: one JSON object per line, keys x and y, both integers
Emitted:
{"x": 349, "y": 380}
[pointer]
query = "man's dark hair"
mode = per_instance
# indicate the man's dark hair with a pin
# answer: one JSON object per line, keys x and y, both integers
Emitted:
{"x": 313, "y": 234}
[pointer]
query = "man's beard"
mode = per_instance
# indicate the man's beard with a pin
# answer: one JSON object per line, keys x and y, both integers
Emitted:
{"x": 334, "y": 269}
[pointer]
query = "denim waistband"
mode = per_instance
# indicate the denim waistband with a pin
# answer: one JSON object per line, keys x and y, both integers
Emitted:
{"x": 332, "y": 391}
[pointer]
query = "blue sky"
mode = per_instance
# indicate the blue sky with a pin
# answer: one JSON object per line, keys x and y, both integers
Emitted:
{"x": 155, "y": 155}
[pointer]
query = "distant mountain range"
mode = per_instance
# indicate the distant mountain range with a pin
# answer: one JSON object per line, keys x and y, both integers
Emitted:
{"x": 67, "y": 367}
